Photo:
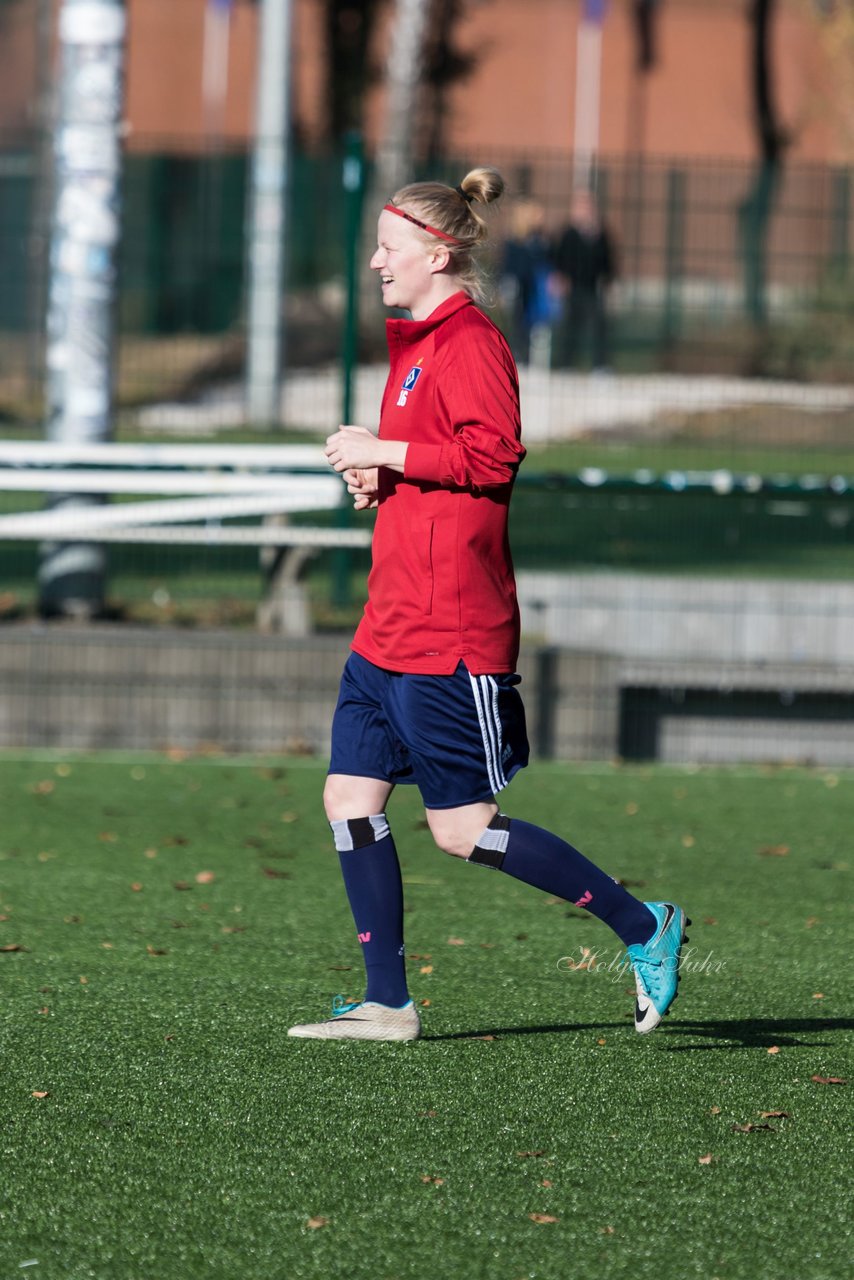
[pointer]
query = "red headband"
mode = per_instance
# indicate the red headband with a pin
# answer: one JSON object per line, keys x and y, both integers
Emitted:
{"x": 425, "y": 226}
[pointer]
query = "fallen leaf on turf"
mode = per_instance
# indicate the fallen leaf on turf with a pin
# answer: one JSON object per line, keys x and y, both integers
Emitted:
{"x": 233, "y": 928}
{"x": 205, "y": 877}
{"x": 812, "y": 921}
{"x": 41, "y": 1093}
{"x": 688, "y": 842}
{"x": 487, "y": 946}
{"x": 773, "y": 850}
{"x": 587, "y": 961}
{"x": 44, "y": 1010}
{"x": 12, "y": 946}
{"x": 426, "y": 968}
{"x": 425, "y": 1004}
{"x": 542, "y": 1217}
{"x": 527, "y": 1155}
{"x": 750, "y": 1127}
{"x": 83, "y": 980}
{"x": 43, "y": 788}
{"x": 606, "y": 1231}
{"x": 416, "y": 955}
{"x": 774, "y": 1048}
{"x": 828, "y": 1080}
{"x": 4, "y": 918}
{"x": 427, "y": 1115}
{"x": 546, "y": 1182}
{"x": 774, "y": 1115}
{"x": 456, "y": 942}
{"x": 290, "y": 817}
{"x": 818, "y": 995}
{"x": 600, "y": 1041}
{"x": 155, "y": 951}
{"x": 552, "y": 901}
{"x": 314, "y": 1223}
{"x": 709, "y": 920}
{"x": 714, "y": 1111}
{"x": 340, "y": 968}
{"x": 108, "y": 837}
{"x": 705, "y": 1159}
{"x": 632, "y": 808}
{"x": 136, "y": 887}
{"x": 273, "y": 873}
{"x": 431, "y": 1177}
{"x": 182, "y": 885}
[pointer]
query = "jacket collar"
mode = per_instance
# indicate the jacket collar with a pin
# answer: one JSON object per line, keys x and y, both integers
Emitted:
{"x": 406, "y": 333}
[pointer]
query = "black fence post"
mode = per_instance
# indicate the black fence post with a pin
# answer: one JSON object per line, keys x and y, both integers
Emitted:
{"x": 547, "y": 695}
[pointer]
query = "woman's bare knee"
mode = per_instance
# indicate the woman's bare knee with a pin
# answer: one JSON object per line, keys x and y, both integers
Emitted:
{"x": 456, "y": 831}
{"x": 346, "y": 796}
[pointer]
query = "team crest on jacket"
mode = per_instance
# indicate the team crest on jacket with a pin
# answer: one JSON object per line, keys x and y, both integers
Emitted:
{"x": 409, "y": 383}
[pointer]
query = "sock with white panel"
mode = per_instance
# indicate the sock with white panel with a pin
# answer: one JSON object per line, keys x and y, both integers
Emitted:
{"x": 543, "y": 860}
{"x": 374, "y": 887}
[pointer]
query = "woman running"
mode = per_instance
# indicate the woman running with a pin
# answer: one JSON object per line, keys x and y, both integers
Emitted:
{"x": 428, "y": 695}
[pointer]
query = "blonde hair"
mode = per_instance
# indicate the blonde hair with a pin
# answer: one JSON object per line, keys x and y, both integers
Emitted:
{"x": 454, "y": 211}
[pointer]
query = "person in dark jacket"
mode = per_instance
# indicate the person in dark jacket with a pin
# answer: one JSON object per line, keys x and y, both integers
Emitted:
{"x": 528, "y": 282}
{"x": 585, "y": 261}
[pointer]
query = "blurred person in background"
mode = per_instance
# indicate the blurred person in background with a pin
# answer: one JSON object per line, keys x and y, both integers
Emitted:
{"x": 528, "y": 287}
{"x": 586, "y": 264}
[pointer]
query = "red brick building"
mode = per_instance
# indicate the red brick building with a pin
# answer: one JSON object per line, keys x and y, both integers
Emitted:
{"x": 521, "y": 93}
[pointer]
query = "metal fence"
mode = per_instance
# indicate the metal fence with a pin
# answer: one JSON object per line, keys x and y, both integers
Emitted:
{"x": 680, "y": 302}
{"x": 685, "y": 520}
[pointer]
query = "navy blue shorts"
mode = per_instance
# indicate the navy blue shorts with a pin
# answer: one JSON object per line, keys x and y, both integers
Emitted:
{"x": 459, "y": 738}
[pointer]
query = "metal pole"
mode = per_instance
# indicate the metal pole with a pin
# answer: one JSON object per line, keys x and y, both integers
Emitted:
{"x": 588, "y": 92}
{"x": 403, "y": 69}
{"x": 82, "y": 288}
{"x": 353, "y": 182}
{"x": 270, "y": 183}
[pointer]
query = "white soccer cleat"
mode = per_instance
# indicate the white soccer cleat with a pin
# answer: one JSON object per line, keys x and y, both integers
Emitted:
{"x": 365, "y": 1021}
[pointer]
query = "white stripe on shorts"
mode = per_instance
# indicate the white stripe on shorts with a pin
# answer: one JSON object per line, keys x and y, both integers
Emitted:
{"x": 485, "y": 692}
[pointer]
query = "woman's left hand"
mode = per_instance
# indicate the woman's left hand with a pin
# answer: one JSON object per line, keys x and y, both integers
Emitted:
{"x": 352, "y": 448}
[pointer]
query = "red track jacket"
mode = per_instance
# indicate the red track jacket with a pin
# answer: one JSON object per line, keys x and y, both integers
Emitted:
{"x": 442, "y": 588}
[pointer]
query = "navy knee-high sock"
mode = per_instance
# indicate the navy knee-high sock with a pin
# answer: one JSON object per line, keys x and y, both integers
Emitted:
{"x": 372, "y": 879}
{"x": 541, "y": 859}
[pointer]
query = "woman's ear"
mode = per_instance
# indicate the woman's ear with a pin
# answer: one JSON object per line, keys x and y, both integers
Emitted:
{"x": 439, "y": 258}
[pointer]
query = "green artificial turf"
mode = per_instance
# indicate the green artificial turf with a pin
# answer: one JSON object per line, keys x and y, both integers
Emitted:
{"x": 173, "y": 918}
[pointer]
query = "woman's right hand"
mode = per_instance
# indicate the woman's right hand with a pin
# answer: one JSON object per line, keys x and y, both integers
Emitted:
{"x": 363, "y": 484}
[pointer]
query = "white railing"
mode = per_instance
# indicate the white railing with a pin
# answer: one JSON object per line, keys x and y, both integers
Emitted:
{"x": 202, "y": 483}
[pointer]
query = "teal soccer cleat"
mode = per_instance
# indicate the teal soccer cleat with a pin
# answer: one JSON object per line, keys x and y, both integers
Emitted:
{"x": 656, "y": 965}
